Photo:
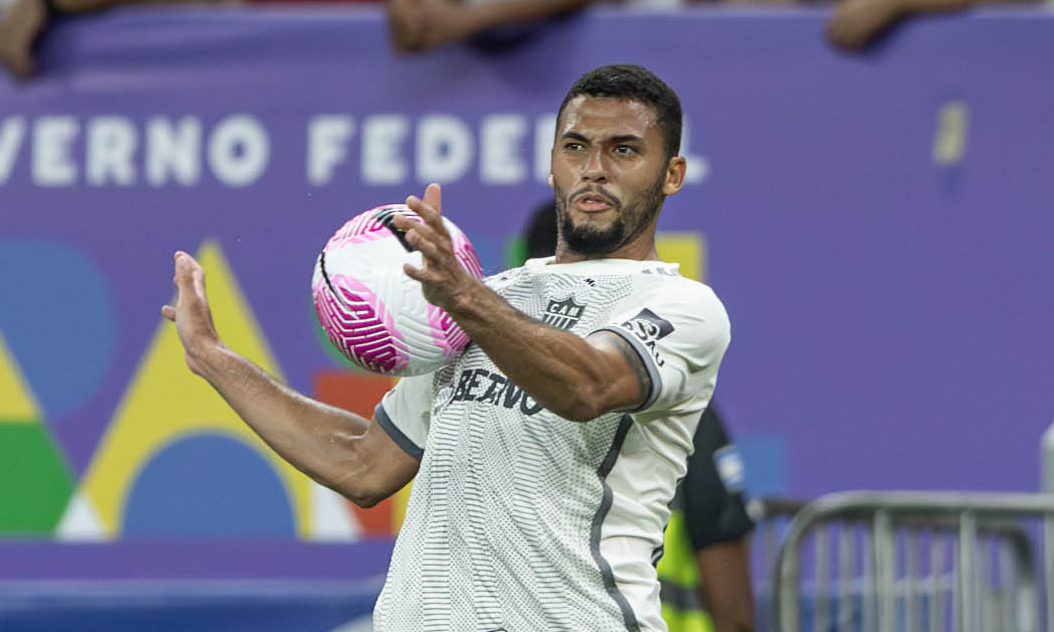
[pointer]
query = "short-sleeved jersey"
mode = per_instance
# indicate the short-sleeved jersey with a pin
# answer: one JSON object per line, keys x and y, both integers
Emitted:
{"x": 520, "y": 520}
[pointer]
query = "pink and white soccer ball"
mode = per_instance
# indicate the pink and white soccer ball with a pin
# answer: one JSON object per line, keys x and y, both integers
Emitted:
{"x": 371, "y": 310}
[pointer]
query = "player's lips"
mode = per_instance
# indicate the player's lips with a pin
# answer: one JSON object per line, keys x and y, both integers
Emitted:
{"x": 592, "y": 203}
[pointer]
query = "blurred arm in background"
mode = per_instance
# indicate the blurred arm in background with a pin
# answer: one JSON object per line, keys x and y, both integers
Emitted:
{"x": 20, "y": 25}
{"x": 420, "y": 25}
{"x": 855, "y": 24}
{"x": 724, "y": 571}
{"x": 24, "y": 21}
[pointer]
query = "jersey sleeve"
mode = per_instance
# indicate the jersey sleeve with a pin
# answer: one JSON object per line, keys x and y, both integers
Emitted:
{"x": 680, "y": 334}
{"x": 404, "y": 413}
{"x": 714, "y": 510}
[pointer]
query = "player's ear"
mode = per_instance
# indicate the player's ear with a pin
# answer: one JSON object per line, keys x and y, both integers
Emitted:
{"x": 552, "y": 183}
{"x": 675, "y": 170}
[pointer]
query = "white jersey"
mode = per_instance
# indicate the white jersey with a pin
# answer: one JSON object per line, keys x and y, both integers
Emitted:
{"x": 520, "y": 520}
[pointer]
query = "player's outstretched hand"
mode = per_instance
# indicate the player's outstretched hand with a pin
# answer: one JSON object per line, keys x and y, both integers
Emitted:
{"x": 442, "y": 278}
{"x": 191, "y": 311}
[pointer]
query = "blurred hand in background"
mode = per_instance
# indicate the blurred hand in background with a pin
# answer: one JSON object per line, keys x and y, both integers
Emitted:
{"x": 855, "y": 24}
{"x": 421, "y": 25}
{"x": 20, "y": 25}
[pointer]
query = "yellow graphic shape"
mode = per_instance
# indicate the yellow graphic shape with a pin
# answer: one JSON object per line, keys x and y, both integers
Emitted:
{"x": 17, "y": 404}
{"x": 165, "y": 403}
{"x": 685, "y": 248}
{"x": 949, "y": 140}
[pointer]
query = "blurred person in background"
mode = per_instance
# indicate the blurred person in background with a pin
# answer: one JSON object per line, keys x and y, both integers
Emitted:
{"x": 547, "y": 454}
{"x": 420, "y": 25}
{"x": 21, "y": 23}
{"x": 24, "y": 22}
{"x": 856, "y": 24}
{"x": 705, "y": 565}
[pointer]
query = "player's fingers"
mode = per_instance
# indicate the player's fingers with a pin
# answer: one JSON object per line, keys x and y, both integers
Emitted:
{"x": 415, "y": 273}
{"x": 168, "y": 312}
{"x": 184, "y": 267}
{"x": 419, "y": 206}
{"x": 418, "y": 233}
{"x": 430, "y": 249}
{"x": 190, "y": 277}
{"x": 427, "y": 212}
{"x": 434, "y": 196}
{"x": 406, "y": 221}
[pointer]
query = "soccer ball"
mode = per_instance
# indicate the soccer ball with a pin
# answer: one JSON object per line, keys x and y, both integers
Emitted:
{"x": 371, "y": 310}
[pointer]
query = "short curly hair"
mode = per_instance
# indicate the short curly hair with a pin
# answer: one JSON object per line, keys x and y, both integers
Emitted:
{"x": 636, "y": 83}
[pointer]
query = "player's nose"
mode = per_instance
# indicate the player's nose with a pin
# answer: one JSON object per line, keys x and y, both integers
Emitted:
{"x": 594, "y": 169}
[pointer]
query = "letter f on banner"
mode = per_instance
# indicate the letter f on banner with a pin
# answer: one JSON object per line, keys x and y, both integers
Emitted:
{"x": 327, "y": 145}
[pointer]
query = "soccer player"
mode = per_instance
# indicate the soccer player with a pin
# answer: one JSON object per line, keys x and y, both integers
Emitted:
{"x": 547, "y": 454}
{"x": 705, "y": 568}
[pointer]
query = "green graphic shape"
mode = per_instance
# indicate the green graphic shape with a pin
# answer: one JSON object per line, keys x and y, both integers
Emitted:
{"x": 35, "y": 483}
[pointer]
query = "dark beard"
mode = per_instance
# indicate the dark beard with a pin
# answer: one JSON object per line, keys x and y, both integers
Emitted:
{"x": 591, "y": 241}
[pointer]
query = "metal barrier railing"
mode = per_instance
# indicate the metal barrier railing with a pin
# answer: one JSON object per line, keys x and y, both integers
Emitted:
{"x": 908, "y": 562}
{"x": 772, "y": 516}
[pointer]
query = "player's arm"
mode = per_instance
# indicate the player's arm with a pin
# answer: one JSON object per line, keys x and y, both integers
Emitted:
{"x": 337, "y": 448}
{"x": 578, "y": 379}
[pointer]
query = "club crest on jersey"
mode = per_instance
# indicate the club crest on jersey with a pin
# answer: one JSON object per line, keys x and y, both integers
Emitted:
{"x": 563, "y": 314}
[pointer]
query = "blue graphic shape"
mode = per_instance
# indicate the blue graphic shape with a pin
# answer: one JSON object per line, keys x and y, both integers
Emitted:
{"x": 208, "y": 485}
{"x": 57, "y": 315}
{"x": 490, "y": 252}
{"x": 764, "y": 464}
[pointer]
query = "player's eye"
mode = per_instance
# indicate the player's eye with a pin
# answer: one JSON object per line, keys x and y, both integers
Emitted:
{"x": 574, "y": 146}
{"x": 623, "y": 149}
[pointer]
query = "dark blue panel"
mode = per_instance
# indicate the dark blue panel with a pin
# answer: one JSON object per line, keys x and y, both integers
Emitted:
{"x": 198, "y": 606}
{"x": 208, "y": 485}
{"x": 53, "y": 293}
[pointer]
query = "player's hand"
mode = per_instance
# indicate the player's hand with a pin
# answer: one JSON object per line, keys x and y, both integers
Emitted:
{"x": 20, "y": 24}
{"x": 442, "y": 278}
{"x": 191, "y": 312}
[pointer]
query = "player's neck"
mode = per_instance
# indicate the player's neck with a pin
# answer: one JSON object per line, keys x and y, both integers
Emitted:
{"x": 640, "y": 249}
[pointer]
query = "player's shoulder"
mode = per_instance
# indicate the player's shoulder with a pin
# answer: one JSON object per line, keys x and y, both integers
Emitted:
{"x": 664, "y": 285}
{"x": 504, "y": 277}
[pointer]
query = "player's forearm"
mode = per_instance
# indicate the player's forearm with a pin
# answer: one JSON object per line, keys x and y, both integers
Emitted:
{"x": 320, "y": 440}
{"x": 560, "y": 370}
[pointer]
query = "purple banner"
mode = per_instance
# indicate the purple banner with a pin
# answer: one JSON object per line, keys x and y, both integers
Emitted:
{"x": 879, "y": 227}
